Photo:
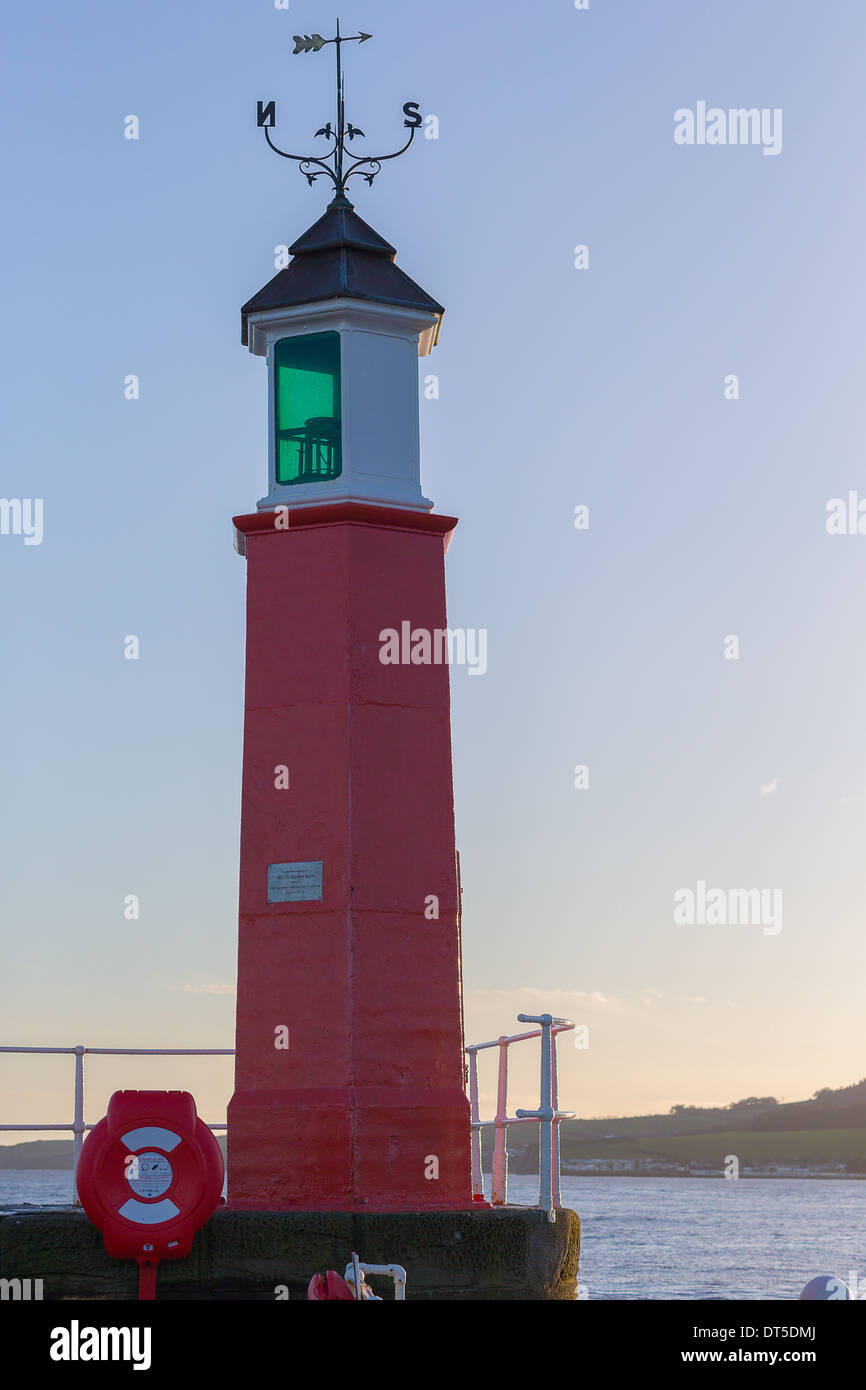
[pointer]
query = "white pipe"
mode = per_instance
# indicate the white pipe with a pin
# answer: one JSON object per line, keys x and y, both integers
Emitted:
{"x": 77, "y": 1121}
{"x": 78, "y": 1126}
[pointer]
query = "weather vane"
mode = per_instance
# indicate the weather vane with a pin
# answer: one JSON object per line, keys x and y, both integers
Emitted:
{"x": 345, "y": 163}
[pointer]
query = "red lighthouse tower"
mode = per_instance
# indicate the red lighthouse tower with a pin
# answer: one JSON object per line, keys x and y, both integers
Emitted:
{"x": 349, "y": 1074}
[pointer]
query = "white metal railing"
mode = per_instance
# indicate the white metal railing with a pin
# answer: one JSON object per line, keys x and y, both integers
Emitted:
{"x": 547, "y": 1116}
{"x": 78, "y": 1127}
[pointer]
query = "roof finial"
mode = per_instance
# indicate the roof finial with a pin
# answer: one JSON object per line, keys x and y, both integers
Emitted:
{"x": 345, "y": 164}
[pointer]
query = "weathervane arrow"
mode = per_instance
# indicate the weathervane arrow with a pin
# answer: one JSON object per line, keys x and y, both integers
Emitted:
{"x": 312, "y": 166}
{"x": 311, "y": 43}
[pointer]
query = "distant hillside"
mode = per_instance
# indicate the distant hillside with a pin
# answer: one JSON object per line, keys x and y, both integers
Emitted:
{"x": 47, "y": 1154}
{"x": 37, "y": 1153}
{"x": 828, "y": 1128}
{"x": 827, "y": 1109}
{"x": 812, "y": 1148}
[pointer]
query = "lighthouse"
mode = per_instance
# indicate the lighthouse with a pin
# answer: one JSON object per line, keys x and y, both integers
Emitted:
{"x": 349, "y": 1083}
{"x": 349, "y": 1127}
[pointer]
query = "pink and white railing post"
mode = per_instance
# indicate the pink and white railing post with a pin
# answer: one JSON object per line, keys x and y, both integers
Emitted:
{"x": 548, "y": 1115}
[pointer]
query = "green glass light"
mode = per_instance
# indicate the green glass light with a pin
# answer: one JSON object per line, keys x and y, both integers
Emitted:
{"x": 308, "y": 408}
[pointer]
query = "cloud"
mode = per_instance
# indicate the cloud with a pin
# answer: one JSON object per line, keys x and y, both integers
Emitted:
{"x": 533, "y": 996}
{"x": 655, "y": 996}
{"x": 529, "y": 999}
{"x": 204, "y": 986}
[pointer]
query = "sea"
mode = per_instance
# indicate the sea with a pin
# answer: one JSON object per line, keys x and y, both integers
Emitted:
{"x": 663, "y": 1238}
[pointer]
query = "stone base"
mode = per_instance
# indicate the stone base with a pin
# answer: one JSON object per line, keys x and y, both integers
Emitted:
{"x": 493, "y": 1255}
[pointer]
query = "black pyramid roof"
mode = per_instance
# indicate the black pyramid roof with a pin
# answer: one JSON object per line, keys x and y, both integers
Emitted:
{"x": 340, "y": 257}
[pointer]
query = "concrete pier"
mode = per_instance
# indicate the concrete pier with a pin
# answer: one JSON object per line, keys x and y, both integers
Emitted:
{"x": 495, "y": 1255}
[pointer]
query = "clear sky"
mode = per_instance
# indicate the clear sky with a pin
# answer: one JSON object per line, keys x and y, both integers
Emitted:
{"x": 559, "y": 387}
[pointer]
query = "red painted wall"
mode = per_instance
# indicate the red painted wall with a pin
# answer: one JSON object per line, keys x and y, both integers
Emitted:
{"x": 370, "y": 1089}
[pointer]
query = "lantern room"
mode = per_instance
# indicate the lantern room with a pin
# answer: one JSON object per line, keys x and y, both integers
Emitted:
{"x": 341, "y": 329}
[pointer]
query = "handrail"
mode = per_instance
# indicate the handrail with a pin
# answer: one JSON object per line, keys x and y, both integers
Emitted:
{"x": 78, "y": 1127}
{"x": 548, "y": 1115}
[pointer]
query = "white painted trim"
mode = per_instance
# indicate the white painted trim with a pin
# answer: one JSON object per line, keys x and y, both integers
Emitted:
{"x": 266, "y": 327}
{"x": 319, "y": 494}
